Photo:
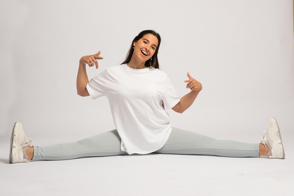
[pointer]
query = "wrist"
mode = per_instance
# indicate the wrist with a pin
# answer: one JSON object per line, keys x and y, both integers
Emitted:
{"x": 195, "y": 92}
{"x": 82, "y": 64}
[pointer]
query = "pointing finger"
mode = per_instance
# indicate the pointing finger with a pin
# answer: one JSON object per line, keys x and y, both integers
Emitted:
{"x": 98, "y": 57}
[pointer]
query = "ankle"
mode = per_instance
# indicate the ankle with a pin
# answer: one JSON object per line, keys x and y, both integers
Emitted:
{"x": 263, "y": 150}
{"x": 30, "y": 152}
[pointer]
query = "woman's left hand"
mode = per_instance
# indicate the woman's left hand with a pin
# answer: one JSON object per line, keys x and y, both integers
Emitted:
{"x": 193, "y": 84}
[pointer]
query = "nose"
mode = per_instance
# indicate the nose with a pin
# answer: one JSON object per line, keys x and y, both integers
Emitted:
{"x": 147, "y": 48}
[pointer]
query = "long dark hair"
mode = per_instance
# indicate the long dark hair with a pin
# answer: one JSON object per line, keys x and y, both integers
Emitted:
{"x": 150, "y": 63}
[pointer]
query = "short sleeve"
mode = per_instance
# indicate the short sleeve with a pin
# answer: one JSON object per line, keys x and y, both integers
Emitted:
{"x": 96, "y": 86}
{"x": 170, "y": 96}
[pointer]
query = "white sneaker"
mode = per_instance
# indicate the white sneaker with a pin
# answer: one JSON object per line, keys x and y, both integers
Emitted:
{"x": 18, "y": 145}
{"x": 272, "y": 138}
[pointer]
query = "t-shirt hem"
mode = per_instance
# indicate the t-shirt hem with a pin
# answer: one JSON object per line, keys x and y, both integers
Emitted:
{"x": 148, "y": 152}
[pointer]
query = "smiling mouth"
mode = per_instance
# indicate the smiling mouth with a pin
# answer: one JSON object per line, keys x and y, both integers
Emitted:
{"x": 144, "y": 53}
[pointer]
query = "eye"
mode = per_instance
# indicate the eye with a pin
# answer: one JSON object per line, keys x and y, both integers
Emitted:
{"x": 145, "y": 42}
{"x": 153, "y": 48}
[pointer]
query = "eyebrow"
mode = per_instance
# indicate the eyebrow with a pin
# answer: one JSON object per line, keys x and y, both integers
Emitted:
{"x": 149, "y": 41}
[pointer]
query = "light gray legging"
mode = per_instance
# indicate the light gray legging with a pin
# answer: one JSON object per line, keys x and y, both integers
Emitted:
{"x": 179, "y": 142}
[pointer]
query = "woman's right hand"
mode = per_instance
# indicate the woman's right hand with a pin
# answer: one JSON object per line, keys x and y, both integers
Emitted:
{"x": 91, "y": 60}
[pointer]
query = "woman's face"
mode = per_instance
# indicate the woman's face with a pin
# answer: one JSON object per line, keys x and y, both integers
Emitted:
{"x": 145, "y": 47}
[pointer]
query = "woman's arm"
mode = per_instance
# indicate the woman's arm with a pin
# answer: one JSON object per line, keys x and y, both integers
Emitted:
{"x": 187, "y": 100}
{"x": 82, "y": 81}
{"x": 82, "y": 78}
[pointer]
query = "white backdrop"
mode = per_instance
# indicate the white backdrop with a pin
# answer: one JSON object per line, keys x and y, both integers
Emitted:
{"x": 241, "y": 51}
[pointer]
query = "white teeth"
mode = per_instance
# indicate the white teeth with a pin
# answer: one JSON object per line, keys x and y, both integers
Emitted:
{"x": 144, "y": 52}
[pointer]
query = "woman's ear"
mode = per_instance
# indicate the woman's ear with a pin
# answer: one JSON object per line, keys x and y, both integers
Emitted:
{"x": 134, "y": 44}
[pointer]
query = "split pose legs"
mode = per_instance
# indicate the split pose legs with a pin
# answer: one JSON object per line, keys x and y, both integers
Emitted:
{"x": 179, "y": 142}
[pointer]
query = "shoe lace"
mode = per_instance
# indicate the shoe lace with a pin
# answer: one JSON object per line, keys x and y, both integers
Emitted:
{"x": 28, "y": 143}
{"x": 263, "y": 138}
{"x": 264, "y": 141}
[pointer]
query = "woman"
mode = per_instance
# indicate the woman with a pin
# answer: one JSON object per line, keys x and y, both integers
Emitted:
{"x": 138, "y": 94}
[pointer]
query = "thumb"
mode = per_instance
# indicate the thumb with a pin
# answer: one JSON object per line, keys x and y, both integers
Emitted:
{"x": 188, "y": 74}
{"x": 97, "y": 54}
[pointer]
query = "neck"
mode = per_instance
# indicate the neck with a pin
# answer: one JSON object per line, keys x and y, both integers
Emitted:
{"x": 136, "y": 64}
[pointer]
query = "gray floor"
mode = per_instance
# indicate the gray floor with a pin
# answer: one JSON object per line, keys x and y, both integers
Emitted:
{"x": 153, "y": 174}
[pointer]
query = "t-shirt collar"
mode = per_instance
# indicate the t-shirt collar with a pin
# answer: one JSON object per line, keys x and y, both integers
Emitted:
{"x": 135, "y": 70}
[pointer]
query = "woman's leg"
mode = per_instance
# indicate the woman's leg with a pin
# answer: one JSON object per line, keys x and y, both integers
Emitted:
{"x": 105, "y": 144}
{"x": 187, "y": 142}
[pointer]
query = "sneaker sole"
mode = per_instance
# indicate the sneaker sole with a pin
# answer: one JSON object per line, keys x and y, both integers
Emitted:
{"x": 11, "y": 143}
{"x": 279, "y": 131}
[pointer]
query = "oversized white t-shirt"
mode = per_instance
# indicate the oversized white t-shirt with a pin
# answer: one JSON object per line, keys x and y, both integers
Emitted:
{"x": 135, "y": 97}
